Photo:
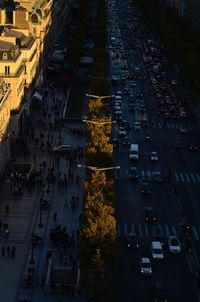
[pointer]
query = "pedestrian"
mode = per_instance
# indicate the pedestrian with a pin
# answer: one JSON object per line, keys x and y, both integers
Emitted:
{"x": 0, "y": 224}
{"x": 13, "y": 251}
{"x": 4, "y": 227}
{"x": 8, "y": 250}
{"x": 34, "y": 158}
{"x": 3, "y": 251}
{"x": 55, "y": 216}
{"x": 6, "y": 233}
{"x": 61, "y": 257}
{"x": 7, "y": 209}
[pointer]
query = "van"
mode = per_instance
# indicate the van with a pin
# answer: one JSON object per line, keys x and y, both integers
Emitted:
{"x": 156, "y": 250}
{"x": 134, "y": 152}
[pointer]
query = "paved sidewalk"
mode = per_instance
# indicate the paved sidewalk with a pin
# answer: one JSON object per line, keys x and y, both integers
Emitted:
{"x": 24, "y": 215}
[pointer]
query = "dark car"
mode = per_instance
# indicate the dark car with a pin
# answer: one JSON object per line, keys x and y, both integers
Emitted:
{"x": 126, "y": 141}
{"x": 177, "y": 146}
{"x": 126, "y": 124}
{"x": 133, "y": 173}
{"x": 132, "y": 107}
{"x": 132, "y": 242}
{"x": 157, "y": 177}
{"x": 159, "y": 237}
{"x": 192, "y": 147}
{"x": 149, "y": 214}
{"x": 159, "y": 292}
{"x": 145, "y": 189}
{"x": 114, "y": 142}
{"x": 145, "y": 123}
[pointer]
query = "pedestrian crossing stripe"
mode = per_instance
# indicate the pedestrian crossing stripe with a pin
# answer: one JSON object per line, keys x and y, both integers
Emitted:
{"x": 148, "y": 175}
{"x": 175, "y": 126}
{"x": 149, "y": 230}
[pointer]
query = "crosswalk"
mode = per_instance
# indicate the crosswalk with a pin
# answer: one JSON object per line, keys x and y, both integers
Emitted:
{"x": 176, "y": 126}
{"x": 149, "y": 230}
{"x": 183, "y": 177}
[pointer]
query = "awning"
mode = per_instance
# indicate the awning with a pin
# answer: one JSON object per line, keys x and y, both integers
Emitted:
{"x": 38, "y": 96}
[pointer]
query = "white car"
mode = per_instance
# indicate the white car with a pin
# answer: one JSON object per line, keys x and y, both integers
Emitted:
{"x": 156, "y": 250}
{"x": 122, "y": 131}
{"x": 137, "y": 125}
{"x": 145, "y": 266}
{"x": 174, "y": 245}
{"x": 61, "y": 148}
{"x": 154, "y": 156}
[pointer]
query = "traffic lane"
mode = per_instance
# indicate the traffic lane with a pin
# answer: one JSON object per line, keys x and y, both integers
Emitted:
{"x": 173, "y": 271}
{"x": 189, "y": 196}
{"x": 129, "y": 206}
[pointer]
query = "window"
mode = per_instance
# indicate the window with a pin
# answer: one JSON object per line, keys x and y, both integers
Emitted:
{"x": 7, "y": 70}
{"x": 5, "y": 56}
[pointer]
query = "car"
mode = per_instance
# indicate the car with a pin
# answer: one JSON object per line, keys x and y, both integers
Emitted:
{"x": 133, "y": 173}
{"x": 126, "y": 124}
{"x": 61, "y": 149}
{"x": 192, "y": 147}
{"x": 145, "y": 189}
{"x": 122, "y": 131}
{"x": 145, "y": 267}
{"x": 142, "y": 109}
{"x": 177, "y": 146}
{"x": 154, "y": 156}
{"x": 183, "y": 130}
{"x": 137, "y": 125}
{"x": 156, "y": 250}
{"x": 132, "y": 107}
{"x": 174, "y": 244}
{"x": 157, "y": 177}
{"x": 126, "y": 141}
{"x": 149, "y": 214}
{"x": 159, "y": 292}
{"x": 145, "y": 123}
{"x": 159, "y": 237}
{"x": 147, "y": 137}
{"x": 114, "y": 142}
{"x": 132, "y": 241}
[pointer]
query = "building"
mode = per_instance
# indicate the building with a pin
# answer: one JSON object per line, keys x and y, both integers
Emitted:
{"x": 5, "y": 126}
{"x": 192, "y": 11}
{"x": 18, "y": 62}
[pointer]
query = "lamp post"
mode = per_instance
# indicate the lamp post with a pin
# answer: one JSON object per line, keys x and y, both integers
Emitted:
{"x": 40, "y": 224}
{"x": 93, "y": 168}
{"x": 48, "y": 184}
{"x": 98, "y": 122}
{"x": 32, "y": 261}
{"x": 98, "y": 97}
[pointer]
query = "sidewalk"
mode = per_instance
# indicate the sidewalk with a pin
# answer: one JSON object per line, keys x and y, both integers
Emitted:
{"x": 24, "y": 215}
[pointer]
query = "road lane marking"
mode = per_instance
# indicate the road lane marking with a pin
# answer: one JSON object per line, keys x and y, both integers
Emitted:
{"x": 118, "y": 230}
{"x": 173, "y": 230}
{"x": 195, "y": 233}
{"x": 140, "y": 230}
{"x": 193, "y": 178}
{"x": 176, "y": 177}
{"x": 133, "y": 230}
{"x": 182, "y": 177}
{"x": 167, "y": 230}
{"x": 146, "y": 230}
{"x": 187, "y": 177}
{"x": 198, "y": 177}
{"x": 125, "y": 230}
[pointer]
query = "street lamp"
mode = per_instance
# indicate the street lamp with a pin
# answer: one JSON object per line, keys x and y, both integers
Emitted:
{"x": 32, "y": 261}
{"x": 98, "y": 168}
{"x": 40, "y": 224}
{"x": 98, "y": 122}
{"x": 100, "y": 97}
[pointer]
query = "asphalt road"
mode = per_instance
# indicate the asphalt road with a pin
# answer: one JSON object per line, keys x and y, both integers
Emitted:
{"x": 180, "y": 170}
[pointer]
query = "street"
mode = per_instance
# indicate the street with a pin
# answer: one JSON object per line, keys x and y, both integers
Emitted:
{"x": 147, "y": 97}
